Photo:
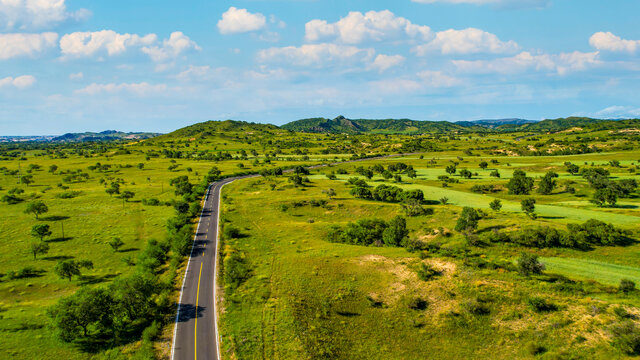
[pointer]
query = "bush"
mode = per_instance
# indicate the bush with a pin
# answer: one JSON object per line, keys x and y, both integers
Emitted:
{"x": 231, "y": 232}
{"x": 236, "y": 270}
{"x": 626, "y": 286}
{"x": 476, "y": 307}
{"x": 418, "y": 304}
{"x": 539, "y": 304}
{"x": 528, "y": 264}
{"x": 626, "y": 337}
{"x": 427, "y": 272}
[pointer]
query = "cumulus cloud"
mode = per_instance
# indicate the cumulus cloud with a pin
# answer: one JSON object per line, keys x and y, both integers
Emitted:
{"x": 357, "y": 27}
{"x": 139, "y": 89}
{"x": 525, "y": 61}
{"x": 508, "y": 4}
{"x": 383, "y": 62}
{"x": 607, "y": 41}
{"x": 20, "y": 82}
{"x": 171, "y": 48}
{"x": 18, "y": 45}
{"x": 79, "y": 44}
{"x": 236, "y": 21}
{"x": 317, "y": 55}
{"x": 467, "y": 41}
{"x": 37, "y": 14}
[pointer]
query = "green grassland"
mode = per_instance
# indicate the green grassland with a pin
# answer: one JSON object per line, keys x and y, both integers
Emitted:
{"x": 306, "y": 298}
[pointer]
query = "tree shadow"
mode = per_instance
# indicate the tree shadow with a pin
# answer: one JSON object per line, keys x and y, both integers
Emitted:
{"x": 490, "y": 228}
{"x": 189, "y": 311}
{"x": 60, "y": 239}
{"x": 626, "y": 206}
{"x": 54, "y": 218}
{"x": 128, "y": 250}
{"x": 430, "y": 202}
{"x": 60, "y": 257}
{"x": 551, "y": 217}
{"x": 347, "y": 313}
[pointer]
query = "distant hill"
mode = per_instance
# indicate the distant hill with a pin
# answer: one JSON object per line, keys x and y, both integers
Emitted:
{"x": 211, "y": 127}
{"x": 386, "y": 126}
{"x": 571, "y": 123}
{"x": 492, "y": 123}
{"x": 108, "y": 135}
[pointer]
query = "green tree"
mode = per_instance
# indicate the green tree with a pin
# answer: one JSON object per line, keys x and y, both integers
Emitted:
{"x": 529, "y": 207}
{"x": 605, "y": 195}
{"x": 466, "y": 173}
{"x": 36, "y": 208}
{"x": 573, "y": 169}
{"x": 40, "y": 231}
{"x": 38, "y": 248}
{"x": 444, "y": 200}
{"x": 528, "y": 264}
{"x": 116, "y": 244}
{"x": 53, "y": 168}
{"x": 396, "y": 231}
{"x": 68, "y": 268}
{"x": 520, "y": 183}
{"x": 547, "y": 183}
{"x": 495, "y": 173}
{"x": 26, "y": 179}
{"x": 387, "y": 174}
{"x": 411, "y": 173}
{"x": 483, "y": 165}
{"x": 127, "y": 195}
{"x": 75, "y": 315}
{"x": 330, "y": 193}
{"x": 468, "y": 220}
{"x": 451, "y": 169}
{"x": 495, "y": 205}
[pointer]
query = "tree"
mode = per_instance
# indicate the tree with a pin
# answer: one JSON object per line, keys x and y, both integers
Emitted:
{"x": 411, "y": 173}
{"x": 495, "y": 205}
{"x": 116, "y": 244}
{"x": 466, "y": 173}
{"x": 37, "y": 208}
{"x": 126, "y": 196}
{"x": 53, "y": 168}
{"x": 626, "y": 286}
{"x": 495, "y": 173}
{"x": 378, "y": 168}
{"x": 483, "y": 165}
{"x": 520, "y": 183}
{"x": 296, "y": 179}
{"x": 387, "y": 174}
{"x": 76, "y": 314}
{"x": 547, "y": 183}
{"x": 38, "y": 248}
{"x": 468, "y": 220}
{"x": 40, "y": 231}
{"x": 182, "y": 207}
{"x": 451, "y": 169}
{"x": 140, "y": 166}
{"x": 396, "y": 231}
{"x": 26, "y": 179}
{"x": 529, "y": 207}
{"x": 397, "y": 178}
{"x": 528, "y": 264}
{"x": 605, "y": 195}
{"x": 330, "y": 193}
{"x": 573, "y": 169}
{"x": 68, "y": 268}
{"x": 444, "y": 200}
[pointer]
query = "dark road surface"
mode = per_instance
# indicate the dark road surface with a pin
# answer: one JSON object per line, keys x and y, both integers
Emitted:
{"x": 196, "y": 328}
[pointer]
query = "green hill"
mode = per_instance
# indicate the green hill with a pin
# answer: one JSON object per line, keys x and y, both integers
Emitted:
{"x": 384, "y": 126}
{"x": 562, "y": 124}
{"x": 210, "y": 128}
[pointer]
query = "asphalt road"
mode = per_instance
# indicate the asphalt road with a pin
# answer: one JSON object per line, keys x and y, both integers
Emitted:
{"x": 196, "y": 329}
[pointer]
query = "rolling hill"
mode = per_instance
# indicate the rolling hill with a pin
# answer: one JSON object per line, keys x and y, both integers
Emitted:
{"x": 384, "y": 126}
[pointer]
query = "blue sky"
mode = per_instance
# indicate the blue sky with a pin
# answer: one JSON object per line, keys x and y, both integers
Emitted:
{"x": 68, "y": 65}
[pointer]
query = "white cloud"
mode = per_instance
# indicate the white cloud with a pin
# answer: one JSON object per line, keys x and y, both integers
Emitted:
{"x": 467, "y": 41}
{"x": 139, "y": 89}
{"x": 171, "y": 48}
{"x": 236, "y": 21}
{"x": 436, "y": 79}
{"x": 607, "y": 41}
{"x": 510, "y": 4}
{"x": 91, "y": 43}
{"x": 618, "y": 111}
{"x": 17, "y": 45}
{"x": 37, "y": 14}
{"x": 317, "y": 55}
{"x": 76, "y": 76}
{"x": 20, "y": 82}
{"x": 424, "y": 81}
{"x": 194, "y": 73}
{"x": 383, "y": 62}
{"x": 357, "y": 27}
{"x": 525, "y": 61}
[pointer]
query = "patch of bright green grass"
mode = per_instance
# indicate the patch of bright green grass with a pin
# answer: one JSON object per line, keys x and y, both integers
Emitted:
{"x": 602, "y": 272}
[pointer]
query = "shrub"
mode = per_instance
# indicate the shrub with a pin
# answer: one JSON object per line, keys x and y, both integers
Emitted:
{"x": 626, "y": 337}
{"x": 626, "y": 286}
{"x": 418, "y": 304}
{"x": 528, "y": 264}
{"x": 476, "y": 307}
{"x": 539, "y": 304}
{"x": 231, "y": 232}
{"x": 236, "y": 270}
{"x": 427, "y": 272}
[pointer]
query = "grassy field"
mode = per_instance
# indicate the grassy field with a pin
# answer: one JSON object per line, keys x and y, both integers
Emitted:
{"x": 605, "y": 273}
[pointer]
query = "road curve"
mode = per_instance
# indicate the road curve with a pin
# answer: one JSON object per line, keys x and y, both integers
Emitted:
{"x": 195, "y": 333}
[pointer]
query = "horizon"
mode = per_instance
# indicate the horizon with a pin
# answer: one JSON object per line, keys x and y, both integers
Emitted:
{"x": 70, "y": 66}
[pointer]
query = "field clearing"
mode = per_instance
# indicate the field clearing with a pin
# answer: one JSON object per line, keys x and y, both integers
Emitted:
{"x": 602, "y": 272}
